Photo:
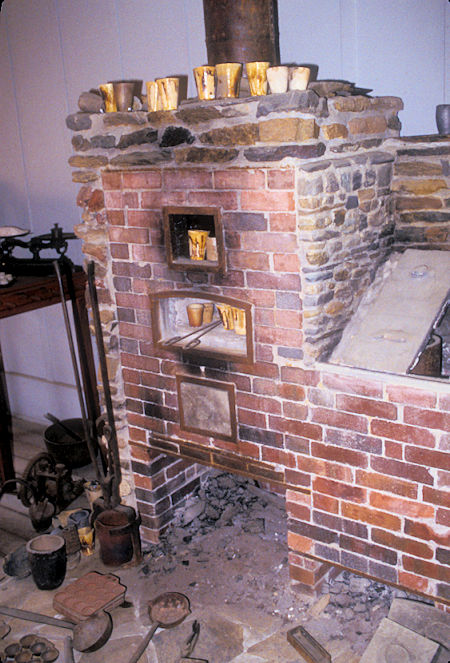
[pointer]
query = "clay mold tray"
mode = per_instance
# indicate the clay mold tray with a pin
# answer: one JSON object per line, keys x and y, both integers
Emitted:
{"x": 88, "y": 595}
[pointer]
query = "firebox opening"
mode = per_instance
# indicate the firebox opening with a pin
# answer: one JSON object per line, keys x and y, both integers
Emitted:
{"x": 227, "y": 540}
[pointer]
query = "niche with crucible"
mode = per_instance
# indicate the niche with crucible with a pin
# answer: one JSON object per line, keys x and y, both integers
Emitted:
{"x": 194, "y": 239}
{"x": 202, "y": 323}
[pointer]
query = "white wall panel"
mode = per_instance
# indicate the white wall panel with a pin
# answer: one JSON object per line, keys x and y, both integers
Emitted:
{"x": 41, "y": 102}
{"x": 153, "y": 38}
{"x": 310, "y": 33}
{"x": 196, "y": 38}
{"x": 13, "y": 186}
{"x": 400, "y": 53}
{"x": 90, "y": 45}
{"x": 446, "y": 93}
{"x": 31, "y": 399}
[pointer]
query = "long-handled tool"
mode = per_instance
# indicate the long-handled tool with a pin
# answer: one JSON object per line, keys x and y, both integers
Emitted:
{"x": 87, "y": 429}
{"x": 189, "y": 645}
{"x": 88, "y": 635}
{"x": 68, "y": 650}
{"x": 196, "y": 341}
{"x": 84, "y": 346}
{"x": 112, "y": 499}
{"x": 176, "y": 339}
{"x": 166, "y": 611}
{"x": 71, "y": 433}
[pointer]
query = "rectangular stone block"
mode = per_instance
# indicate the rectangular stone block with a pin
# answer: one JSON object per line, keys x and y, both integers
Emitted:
{"x": 393, "y": 643}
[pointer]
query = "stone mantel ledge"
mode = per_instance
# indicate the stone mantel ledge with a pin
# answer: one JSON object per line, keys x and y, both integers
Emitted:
{"x": 294, "y": 127}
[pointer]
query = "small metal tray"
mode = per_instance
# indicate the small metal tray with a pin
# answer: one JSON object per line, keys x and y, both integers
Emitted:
{"x": 307, "y": 646}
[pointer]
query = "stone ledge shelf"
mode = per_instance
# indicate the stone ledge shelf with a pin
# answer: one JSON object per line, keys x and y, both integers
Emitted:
{"x": 295, "y": 126}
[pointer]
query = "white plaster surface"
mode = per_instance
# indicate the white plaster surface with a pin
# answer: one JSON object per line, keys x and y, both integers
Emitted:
{"x": 395, "y": 317}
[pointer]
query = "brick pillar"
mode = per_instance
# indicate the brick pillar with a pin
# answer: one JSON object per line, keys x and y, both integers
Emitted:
{"x": 309, "y": 574}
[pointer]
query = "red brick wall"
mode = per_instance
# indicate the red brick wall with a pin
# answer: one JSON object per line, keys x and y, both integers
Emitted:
{"x": 363, "y": 460}
{"x": 379, "y": 477}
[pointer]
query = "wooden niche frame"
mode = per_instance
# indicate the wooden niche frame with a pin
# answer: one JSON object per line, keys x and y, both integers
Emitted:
{"x": 177, "y": 221}
{"x": 167, "y": 342}
{"x": 214, "y": 403}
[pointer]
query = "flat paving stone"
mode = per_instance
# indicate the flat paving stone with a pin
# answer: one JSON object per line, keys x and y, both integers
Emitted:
{"x": 393, "y": 643}
{"x": 275, "y": 649}
{"x": 424, "y": 619}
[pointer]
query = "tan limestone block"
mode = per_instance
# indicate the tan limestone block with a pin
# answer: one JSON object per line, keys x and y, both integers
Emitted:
{"x": 312, "y": 202}
{"x": 437, "y": 234}
{"x": 331, "y": 131}
{"x": 317, "y": 257}
{"x": 386, "y": 103}
{"x": 113, "y": 365}
{"x": 106, "y": 316}
{"x": 419, "y": 187}
{"x": 161, "y": 118}
{"x": 288, "y": 130}
{"x": 84, "y": 176}
{"x": 366, "y": 194}
{"x": 314, "y": 289}
{"x": 375, "y": 124}
{"x": 418, "y": 168}
{"x": 403, "y": 203}
{"x": 79, "y": 161}
{"x": 355, "y": 104}
{"x": 95, "y": 251}
{"x": 307, "y": 224}
{"x": 307, "y": 129}
{"x": 342, "y": 275}
{"x": 92, "y": 236}
{"x": 240, "y": 134}
{"x": 279, "y": 130}
{"x": 130, "y": 119}
{"x": 333, "y": 308}
{"x": 311, "y": 313}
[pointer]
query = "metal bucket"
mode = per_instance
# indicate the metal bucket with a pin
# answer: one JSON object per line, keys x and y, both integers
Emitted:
{"x": 241, "y": 31}
{"x": 72, "y": 453}
{"x": 114, "y": 533}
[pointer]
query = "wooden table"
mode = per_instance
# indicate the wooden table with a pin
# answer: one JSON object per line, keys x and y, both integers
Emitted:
{"x": 29, "y": 293}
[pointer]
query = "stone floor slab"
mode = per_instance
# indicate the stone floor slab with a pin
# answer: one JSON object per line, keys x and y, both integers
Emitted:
{"x": 424, "y": 619}
{"x": 393, "y": 643}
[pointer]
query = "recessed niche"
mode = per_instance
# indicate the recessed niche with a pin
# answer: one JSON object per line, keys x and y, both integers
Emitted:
{"x": 194, "y": 238}
{"x": 200, "y": 323}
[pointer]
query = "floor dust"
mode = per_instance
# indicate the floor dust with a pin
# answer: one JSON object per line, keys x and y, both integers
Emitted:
{"x": 226, "y": 551}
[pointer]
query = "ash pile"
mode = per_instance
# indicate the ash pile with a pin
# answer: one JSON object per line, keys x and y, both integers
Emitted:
{"x": 225, "y": 500}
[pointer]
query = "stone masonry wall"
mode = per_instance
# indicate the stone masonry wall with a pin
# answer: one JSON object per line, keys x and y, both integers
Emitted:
{"x": 362, "y": 458}
{"x": 422, "y": 192}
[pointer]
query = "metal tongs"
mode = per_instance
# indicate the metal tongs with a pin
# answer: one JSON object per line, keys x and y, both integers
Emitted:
{"x": 195, "y": 341}
{"x": 189, "y": 645}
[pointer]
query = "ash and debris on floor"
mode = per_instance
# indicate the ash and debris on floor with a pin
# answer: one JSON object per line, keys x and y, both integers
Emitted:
{"x": 227, "y": 552}
{"x": 226, "y": 549}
